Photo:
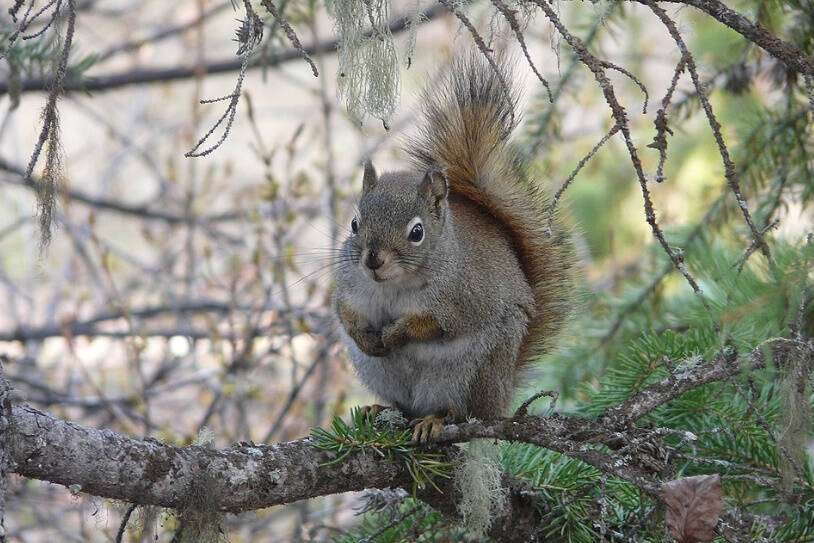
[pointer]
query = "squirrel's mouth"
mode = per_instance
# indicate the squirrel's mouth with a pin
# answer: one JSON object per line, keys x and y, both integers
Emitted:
{"x": 381, "y": 265}
{"x": 384, "y": 274}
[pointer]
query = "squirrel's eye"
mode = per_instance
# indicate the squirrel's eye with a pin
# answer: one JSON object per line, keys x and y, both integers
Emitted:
{"x": 354, "y": 226}
{"x": 416, "y": 234}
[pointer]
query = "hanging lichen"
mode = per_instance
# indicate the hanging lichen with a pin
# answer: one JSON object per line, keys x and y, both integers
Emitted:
{"x": 795, "y": 418}
{"x": 368, "y": 77}
{"x": 416, "y": 18}
{"x": 478, "y": 479}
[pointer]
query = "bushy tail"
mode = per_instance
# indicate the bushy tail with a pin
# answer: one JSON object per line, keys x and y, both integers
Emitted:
{"x": 467, "y": 121}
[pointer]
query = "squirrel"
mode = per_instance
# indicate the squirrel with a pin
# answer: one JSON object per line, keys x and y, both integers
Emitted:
{"x": 450, "y": 282}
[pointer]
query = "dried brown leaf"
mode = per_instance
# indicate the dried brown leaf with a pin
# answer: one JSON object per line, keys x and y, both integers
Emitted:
{"x": 693, "y": 507}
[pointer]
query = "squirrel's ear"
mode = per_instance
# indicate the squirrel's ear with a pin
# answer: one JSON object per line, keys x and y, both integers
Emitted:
{"x": 369, "y": 178}
{"x": 434, "y": 187}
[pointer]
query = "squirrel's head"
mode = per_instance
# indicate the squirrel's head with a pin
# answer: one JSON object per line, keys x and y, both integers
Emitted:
{"x": 399, "y": 220}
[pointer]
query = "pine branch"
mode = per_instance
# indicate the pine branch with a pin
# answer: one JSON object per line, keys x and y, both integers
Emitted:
{"x": 246, "y": 477}
{"x": 787, "y": 53}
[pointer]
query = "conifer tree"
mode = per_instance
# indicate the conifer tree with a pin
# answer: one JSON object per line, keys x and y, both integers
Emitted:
{"x": 679, "y": 404}
{"x": 754, "y": 428}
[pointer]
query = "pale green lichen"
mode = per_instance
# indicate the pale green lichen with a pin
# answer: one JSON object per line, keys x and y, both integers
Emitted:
{"x": 478, "y": 479}
{"x": 205, "y": 437}
{"x": 392, "y": 419}
{"x": 368, "y": 76}
{"x": 794, "y": 420}
{"x": 417, "y": 17}
{"x": 200, "y": 518}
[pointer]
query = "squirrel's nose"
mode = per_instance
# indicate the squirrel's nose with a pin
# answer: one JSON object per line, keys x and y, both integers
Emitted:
{"x": 373, "y": 261}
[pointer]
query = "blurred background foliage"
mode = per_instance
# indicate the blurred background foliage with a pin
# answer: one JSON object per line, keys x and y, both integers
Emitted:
{"x": 637, "y": 318}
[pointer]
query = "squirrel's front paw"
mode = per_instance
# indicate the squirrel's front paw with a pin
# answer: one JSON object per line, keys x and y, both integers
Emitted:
{"x": 393, "y": 336}
{"x": 370, "y": 343}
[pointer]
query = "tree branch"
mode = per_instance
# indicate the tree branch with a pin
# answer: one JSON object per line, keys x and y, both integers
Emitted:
{"x": 106, "y": 204}
{"x": 243, "y": 477}
{"x": 155, "y": 75}
{"x": 162, "y": 34}
{"x": 5, "y": 453}
{"x": 248, "y": 476}
{"x": 139, "y": 211}
{"x": 786, "y": 52}
{"x": 89, "y": 326}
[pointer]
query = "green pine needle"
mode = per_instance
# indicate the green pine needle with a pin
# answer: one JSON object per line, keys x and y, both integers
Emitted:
{"x": 344, "y": 439}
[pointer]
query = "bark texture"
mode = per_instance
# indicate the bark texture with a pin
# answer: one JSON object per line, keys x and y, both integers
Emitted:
{"x": 248, "y": 476}
{"x": 5, "y": 457}
{"x": 239, "y": 478}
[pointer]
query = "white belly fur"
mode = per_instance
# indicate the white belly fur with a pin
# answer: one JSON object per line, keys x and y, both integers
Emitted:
{"x": 423, "y": 378}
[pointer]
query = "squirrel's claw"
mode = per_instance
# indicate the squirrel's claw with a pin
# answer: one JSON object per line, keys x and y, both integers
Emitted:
{"x": 427, "y": 428}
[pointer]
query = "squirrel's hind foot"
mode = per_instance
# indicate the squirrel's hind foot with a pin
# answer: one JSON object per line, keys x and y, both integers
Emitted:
{"x": 427, "y": 428}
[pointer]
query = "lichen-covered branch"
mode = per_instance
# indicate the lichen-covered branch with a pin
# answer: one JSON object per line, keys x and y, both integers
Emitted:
{"x": 248, "y": 476}
{"x": 5, "y": 458}
{"x": 145, "y": 471}
{"x": 142, "y": 76}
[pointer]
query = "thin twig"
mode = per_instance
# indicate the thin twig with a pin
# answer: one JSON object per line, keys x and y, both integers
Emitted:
{"x": 292, "y": 36}
{"x": 754, "y": 245}
{"x": 511, "y": 18}
{"x": 595, "y": 65}
{"x": 249, "y": 36}
{"x": 125, "y": 520}
{"x": 730, "y": 172}
{"x": 522, "y": 411}
{"x": 662, "y": 128}
{"x": 612, "y": 66}
{"x": 296, "y": 390}
{"x": 47, "y": 25}
{"x": 555, "y": 201}
{"x": 483, "y": 48}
